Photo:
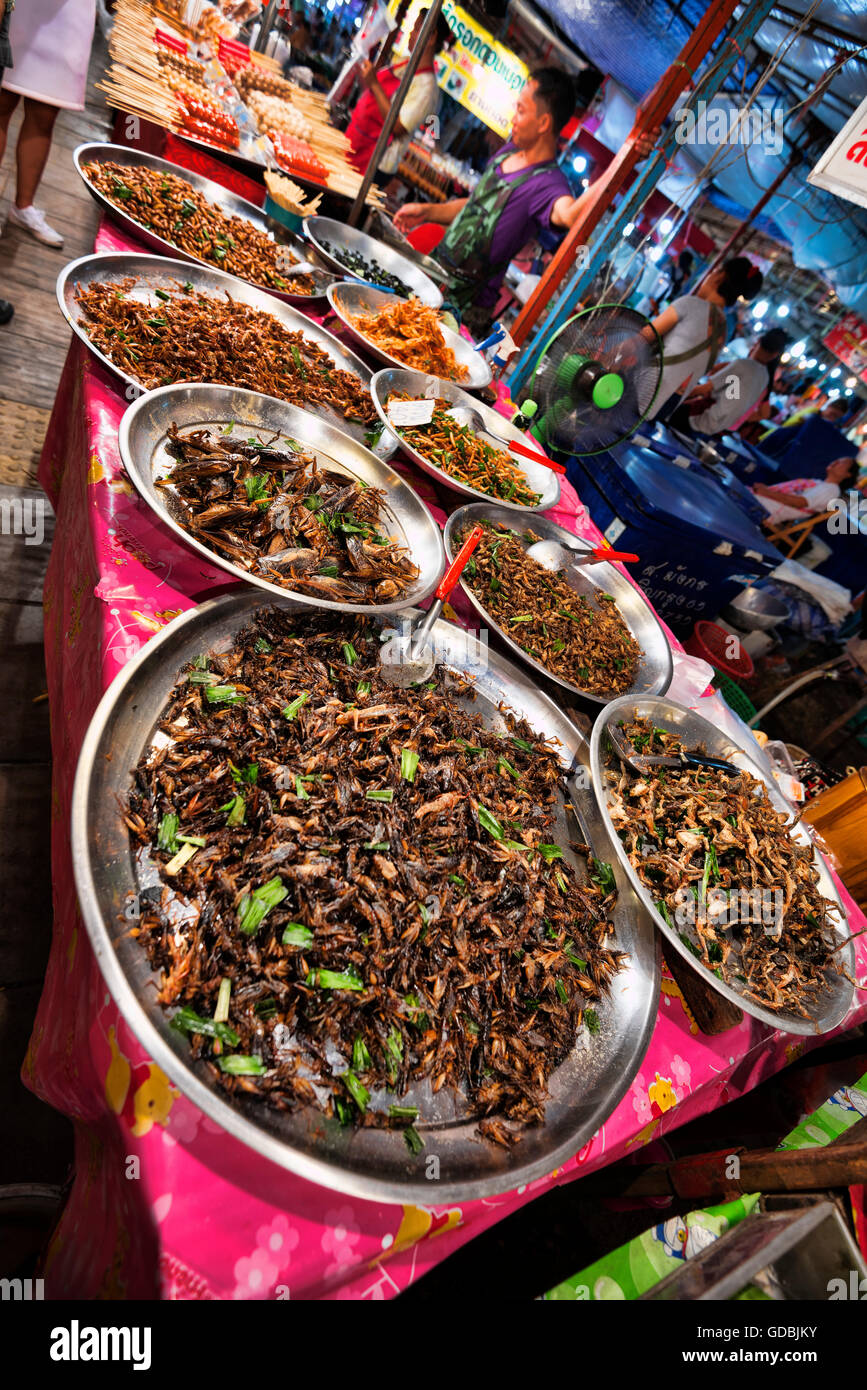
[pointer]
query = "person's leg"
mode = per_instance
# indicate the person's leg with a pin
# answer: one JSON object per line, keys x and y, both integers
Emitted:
{"x": 8, "y": 102}
{"x": 34, "y": 142}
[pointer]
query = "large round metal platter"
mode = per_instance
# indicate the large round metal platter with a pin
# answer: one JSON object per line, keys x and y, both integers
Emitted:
{"x": 227, "y": 202}
{"x": 320, "y": 230}
{"x": 365, "y": 1162}
{"x": 401, "y": 381}
{"x": 143, "y": 436}
{"x": 656, "y": 667}
{"x": 157, "y": 273}
{"x": 350, "y": 299}
{"x": 697, "y": 732}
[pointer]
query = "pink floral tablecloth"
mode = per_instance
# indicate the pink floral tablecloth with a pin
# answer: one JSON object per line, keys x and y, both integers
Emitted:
{"x": 164, "y": 1203}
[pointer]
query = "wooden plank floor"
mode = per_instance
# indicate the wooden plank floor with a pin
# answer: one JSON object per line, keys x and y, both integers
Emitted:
{"x": 35, "y": 1141}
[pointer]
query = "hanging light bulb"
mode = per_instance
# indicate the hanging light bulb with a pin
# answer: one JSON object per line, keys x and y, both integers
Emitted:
{"x": 628, "y": 229}
{"x": 760, "y": 309}
{"x": 782, "y": 311}
{"x": 579, "y": 163}
{"x": 797, "y": 348}
{"x": 666, "y": 226}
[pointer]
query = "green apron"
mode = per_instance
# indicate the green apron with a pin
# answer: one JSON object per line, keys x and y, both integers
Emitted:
{"x": 465, "y": 250}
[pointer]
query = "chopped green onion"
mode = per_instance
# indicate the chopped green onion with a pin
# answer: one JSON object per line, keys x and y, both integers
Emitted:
{"x": 198, "y": 840}
{"x": 224, "y": 994}
{"x": 350, "y": 654}
{"x": 238, "y": 811}
{"x": 408, "y": 764}
{"x": 168, "y": 833}
{"x": 386, "y": 794}
{"x": 562, "y": 991}
{"x": 503, "y": 765}
{"x": 563, "y": 885}
{"x": 591, "y": 1018}
{"x": 296, "y": 934}
{"x": 236, "y": 1065}
{"x": 522, "y": 743}
{"x": 183, "y": 856}
{"x": 363, "y": 688}
{"x": 262, "y": 646}
{"x": 290, "y": 710}
{"x": 573, "y": 959}
{"x": 255, "y": 906}
{"x": 248, "y": 774}
{"x": 414, "y": 1141}
{"x": 299, "y": 790}
{"x": 361, "y": 1060}
{"x": 403, "y": 1112}
{"x": 204, "y": 678}
{"x": 359, "y": 1093}
{"x": 490, "y": 823}
{"x": 381, "y": 846}
{"x": 334, "y": 979}
{"x": 223, "y": 695}
{"x": 186, "y": 1020}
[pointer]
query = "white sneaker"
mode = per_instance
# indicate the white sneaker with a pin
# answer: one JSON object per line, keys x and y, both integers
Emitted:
{"x": 32, "y": 219}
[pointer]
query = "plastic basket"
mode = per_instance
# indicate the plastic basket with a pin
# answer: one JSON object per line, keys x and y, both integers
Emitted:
{"x": 710, "y": 642}
{"x": 735, "y": 698}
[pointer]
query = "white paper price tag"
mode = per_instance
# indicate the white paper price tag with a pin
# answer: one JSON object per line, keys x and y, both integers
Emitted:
{"x": 406, "y": 413}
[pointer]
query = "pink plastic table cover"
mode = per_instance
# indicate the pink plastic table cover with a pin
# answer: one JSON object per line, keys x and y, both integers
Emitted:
{"x": 164, "y": 1204}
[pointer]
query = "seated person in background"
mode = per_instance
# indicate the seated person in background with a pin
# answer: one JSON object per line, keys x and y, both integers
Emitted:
{"x": 719, "y": 404}
{"x": 802, "y": 497}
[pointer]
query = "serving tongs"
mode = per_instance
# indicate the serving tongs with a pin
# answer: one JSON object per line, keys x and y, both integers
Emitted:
{"x": 407, "y": 660}
{"x": 471, "y": 419}
{"x": 642, "y": 763}
{"x": 553, "y": 555}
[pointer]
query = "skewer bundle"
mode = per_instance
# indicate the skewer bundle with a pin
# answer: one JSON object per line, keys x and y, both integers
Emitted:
{"x": 135, "y": 81}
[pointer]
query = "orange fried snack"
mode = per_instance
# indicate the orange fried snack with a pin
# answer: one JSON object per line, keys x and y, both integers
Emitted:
{"x": 410, "y": 332}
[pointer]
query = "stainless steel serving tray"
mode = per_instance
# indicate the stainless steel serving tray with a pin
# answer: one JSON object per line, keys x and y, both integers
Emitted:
{"x": 351, "y": 297}
{"x": 143, "y": 435}
{"x": 656, "y": 669}
{"x": 322, "y": 229}
{"x": 156, "y": 272}
{"x": 368, "y": 1163}
{"x": 229, "y": 203}
{"x": 424, "y": 386}
{"x": 696, "y": 731}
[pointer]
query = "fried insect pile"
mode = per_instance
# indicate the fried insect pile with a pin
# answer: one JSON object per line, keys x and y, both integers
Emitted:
{"x": 726, "y": 874}
{"x": 367, "y": 895}
{"x": 169, "y": 206}
{"x": 579, "y": 638}
{"x": 190, "y": 336}
{"x": 275, "y": 512}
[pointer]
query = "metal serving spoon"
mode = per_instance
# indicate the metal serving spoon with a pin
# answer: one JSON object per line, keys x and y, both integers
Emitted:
{"x": 408, "y": 660}
{"x": 641, "y": 763}
{"x": 472, "y": 419}
{"x": 555, "y": 556}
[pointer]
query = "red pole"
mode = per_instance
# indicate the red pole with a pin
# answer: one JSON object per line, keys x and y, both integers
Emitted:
{"x": 657, "y": 104}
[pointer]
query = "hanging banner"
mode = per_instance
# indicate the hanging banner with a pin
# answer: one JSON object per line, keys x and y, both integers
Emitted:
{"x": 843, "y": 167}
{"x": 848, "y": 341}
{"x": 480, "y": 73}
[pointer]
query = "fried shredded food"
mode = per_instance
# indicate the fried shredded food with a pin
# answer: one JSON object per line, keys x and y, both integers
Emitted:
{"x": 190, "y": 336}
{"x": 410, "y": 332}
{"x": 580, "y": 638}
{"x": 169, "y": 206}
{"x": 467, "y": 458}
{"x": 360, "y": 894}
{"x": 726, "y": 874}
{"x": 276, "y": 512}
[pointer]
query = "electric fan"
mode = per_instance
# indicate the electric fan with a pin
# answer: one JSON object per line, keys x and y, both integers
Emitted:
{"x": 593, "y": 382}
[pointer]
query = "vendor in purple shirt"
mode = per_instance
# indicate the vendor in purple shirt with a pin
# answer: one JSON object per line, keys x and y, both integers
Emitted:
{"x": 522, "y": 191}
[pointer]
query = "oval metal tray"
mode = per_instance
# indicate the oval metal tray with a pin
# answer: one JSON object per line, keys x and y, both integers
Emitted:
{"x": 143, "y": 435}
{"x": 229, "y": 203}
{"x": 321, "y": 229}
{"x": 656, "y": 669}
{"x": 156, "y": 272}
{"x": 348, "y": 298}
{"x": 369, "y": 1163}
{"x": 696, "y": 732}
{"x": 423, "y": 386}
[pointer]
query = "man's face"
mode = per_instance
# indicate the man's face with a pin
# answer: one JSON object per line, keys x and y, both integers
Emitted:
{"x": 530, "y": 119}
{"x": 838, "y": 470}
